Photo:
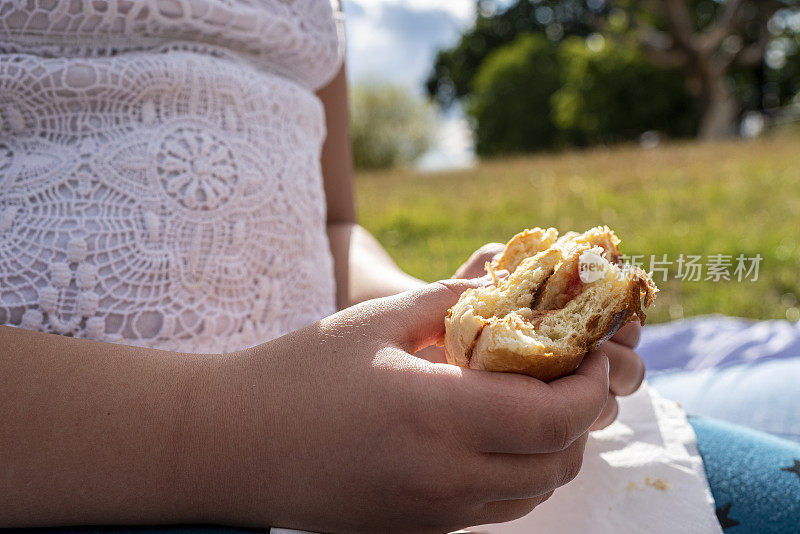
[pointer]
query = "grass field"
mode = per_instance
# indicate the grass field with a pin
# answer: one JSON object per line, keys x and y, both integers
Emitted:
{"x": 725, "y": 198}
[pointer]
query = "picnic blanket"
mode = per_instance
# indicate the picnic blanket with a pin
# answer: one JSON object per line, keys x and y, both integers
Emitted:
{"x": 737, "y": 370}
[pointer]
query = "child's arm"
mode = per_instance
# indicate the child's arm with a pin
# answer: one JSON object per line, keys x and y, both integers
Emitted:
{"x": 364, "y": 270}
{"x": 93, "y": 432}
{"x": 333, "y": 428}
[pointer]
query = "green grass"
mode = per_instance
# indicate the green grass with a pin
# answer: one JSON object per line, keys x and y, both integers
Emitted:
{"x": 682, "y": 198}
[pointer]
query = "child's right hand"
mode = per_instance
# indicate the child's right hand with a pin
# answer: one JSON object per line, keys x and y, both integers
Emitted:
{"x": 338, "y": 427}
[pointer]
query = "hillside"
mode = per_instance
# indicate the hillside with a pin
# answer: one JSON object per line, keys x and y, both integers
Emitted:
{"x": 726, "y": 198}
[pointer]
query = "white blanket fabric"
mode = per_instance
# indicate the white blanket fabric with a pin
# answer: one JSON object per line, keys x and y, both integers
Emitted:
{"x": 716, "y": 341}
{"x": 642, "y": 474}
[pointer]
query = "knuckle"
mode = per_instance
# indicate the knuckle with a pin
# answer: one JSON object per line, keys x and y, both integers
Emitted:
{"x": 559, "y": 430}
{"x": 485, "y": 249}
{"x": 572, "y": 466}
{"x": 537, "y": 501}
{"x": 613, "y": 409}
{"x": 629, "y": 334}
{"x": 514, "y": 421}
{"x": 639, "y": 375}
{"x": 430, "y": 490}
{"x": 430, "y": 520}
{"x": 436, "y": 493}
{"x": 524, "y": 508}
{"x": 489, "y": 251}
{"x": 606, "y": 418}
{"x": 596, "y": 396}
{"x": 436, "y": 486}
{"x": 627, "y": 372}
{"x": 449, "y": 286}
{"x": 504, "y": 511}
{"x": 428, "y": 417}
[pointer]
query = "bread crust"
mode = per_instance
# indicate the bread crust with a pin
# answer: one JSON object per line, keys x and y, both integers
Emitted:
{"x": 542, "y": 320}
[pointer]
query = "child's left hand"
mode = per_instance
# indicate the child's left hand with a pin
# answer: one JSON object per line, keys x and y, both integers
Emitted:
{"x": 475, "y": 266}
{"x": 626, "y": 370}
{"x": 626, "y": 367}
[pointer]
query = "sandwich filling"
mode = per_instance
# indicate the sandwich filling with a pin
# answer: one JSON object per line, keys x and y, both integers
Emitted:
{"x": 561, "y": 298}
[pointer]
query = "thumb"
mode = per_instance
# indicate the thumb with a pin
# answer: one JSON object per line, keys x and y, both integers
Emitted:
{"x": 415, "y": 319}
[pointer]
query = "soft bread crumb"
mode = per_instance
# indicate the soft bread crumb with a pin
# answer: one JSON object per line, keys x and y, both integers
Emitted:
{"x": 544, "y": 317}
{"x": 658, "y": 484}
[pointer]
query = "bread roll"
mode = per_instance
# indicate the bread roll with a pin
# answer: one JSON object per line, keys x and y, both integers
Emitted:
{"x": 563, "y": 297}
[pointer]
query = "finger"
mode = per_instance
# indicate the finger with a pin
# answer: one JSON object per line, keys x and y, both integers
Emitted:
{"x": 629, "y": 334}
{"x": 609, "y": 415}
{"x": 489, "y": 279}
{"x": 504, "y": 511}
{"x": 510, "y": 413}
{"x": 487, "y": 252}
{"x": 627, "y": 368}
{"x": 415, "y": 319}
{"x": 475, "y": 266}
{"x": 522, "y": 476}
{"x": 433, "y": 354}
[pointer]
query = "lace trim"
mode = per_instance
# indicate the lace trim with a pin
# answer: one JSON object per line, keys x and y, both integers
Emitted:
{"x": 301, "y": 39}
{"x": 171, "y": 200}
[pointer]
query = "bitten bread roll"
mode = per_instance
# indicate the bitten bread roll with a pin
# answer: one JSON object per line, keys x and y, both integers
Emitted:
{"x": 563, "y": 297}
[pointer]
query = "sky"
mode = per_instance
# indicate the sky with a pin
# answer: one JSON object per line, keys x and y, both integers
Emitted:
{"x": 397, "y": 41}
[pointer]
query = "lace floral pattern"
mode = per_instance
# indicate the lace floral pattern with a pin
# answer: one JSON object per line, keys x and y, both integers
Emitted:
{"x": 294, "y": 38}
{"x": 197, "y": 169}
{"x": 167, "y": 194}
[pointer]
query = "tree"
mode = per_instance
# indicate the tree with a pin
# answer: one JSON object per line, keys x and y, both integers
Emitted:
{"x": 389, "y": 126}
{"x": 709, "y": 40}
{"x": 723, "y": 47}
{"x": 455, "y": 68}
{"x": 511, "y": 97}
{"x": 613, "y": 93}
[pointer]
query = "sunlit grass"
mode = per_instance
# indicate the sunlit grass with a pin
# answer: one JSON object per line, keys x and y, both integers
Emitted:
{"x": 731, "y": 198}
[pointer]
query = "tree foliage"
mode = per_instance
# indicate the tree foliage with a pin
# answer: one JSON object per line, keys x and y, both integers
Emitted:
{"x": 388, "y": 125}
{"x": 455, "y": 68}
{"x": 534, "y": 94}
{"x": 734, "y": 55}
{"x": 511, "y": 99}
{"x": 612, "y": 93}
{"x": 715, "y": 43}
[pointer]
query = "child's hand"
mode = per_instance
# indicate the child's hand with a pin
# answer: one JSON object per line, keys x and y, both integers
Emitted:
{"x": 338, "y": 427}
{"x": 475, "y": 266}
{"x": 627, "y": 369}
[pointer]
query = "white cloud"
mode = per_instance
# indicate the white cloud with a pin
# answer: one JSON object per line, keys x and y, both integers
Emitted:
{"x": 463, "y": 10}
{"x": 397, "y": 41}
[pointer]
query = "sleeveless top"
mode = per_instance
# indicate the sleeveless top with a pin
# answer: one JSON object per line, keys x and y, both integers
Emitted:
{"x": 160, "y": 180}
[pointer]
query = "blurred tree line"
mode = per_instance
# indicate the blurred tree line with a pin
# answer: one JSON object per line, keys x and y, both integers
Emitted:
{"x": 389, "y": 126}
{"x": 539, "y": 74}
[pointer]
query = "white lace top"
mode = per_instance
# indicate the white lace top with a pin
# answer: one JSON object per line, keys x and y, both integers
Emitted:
{"x": 160, "y": 177}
